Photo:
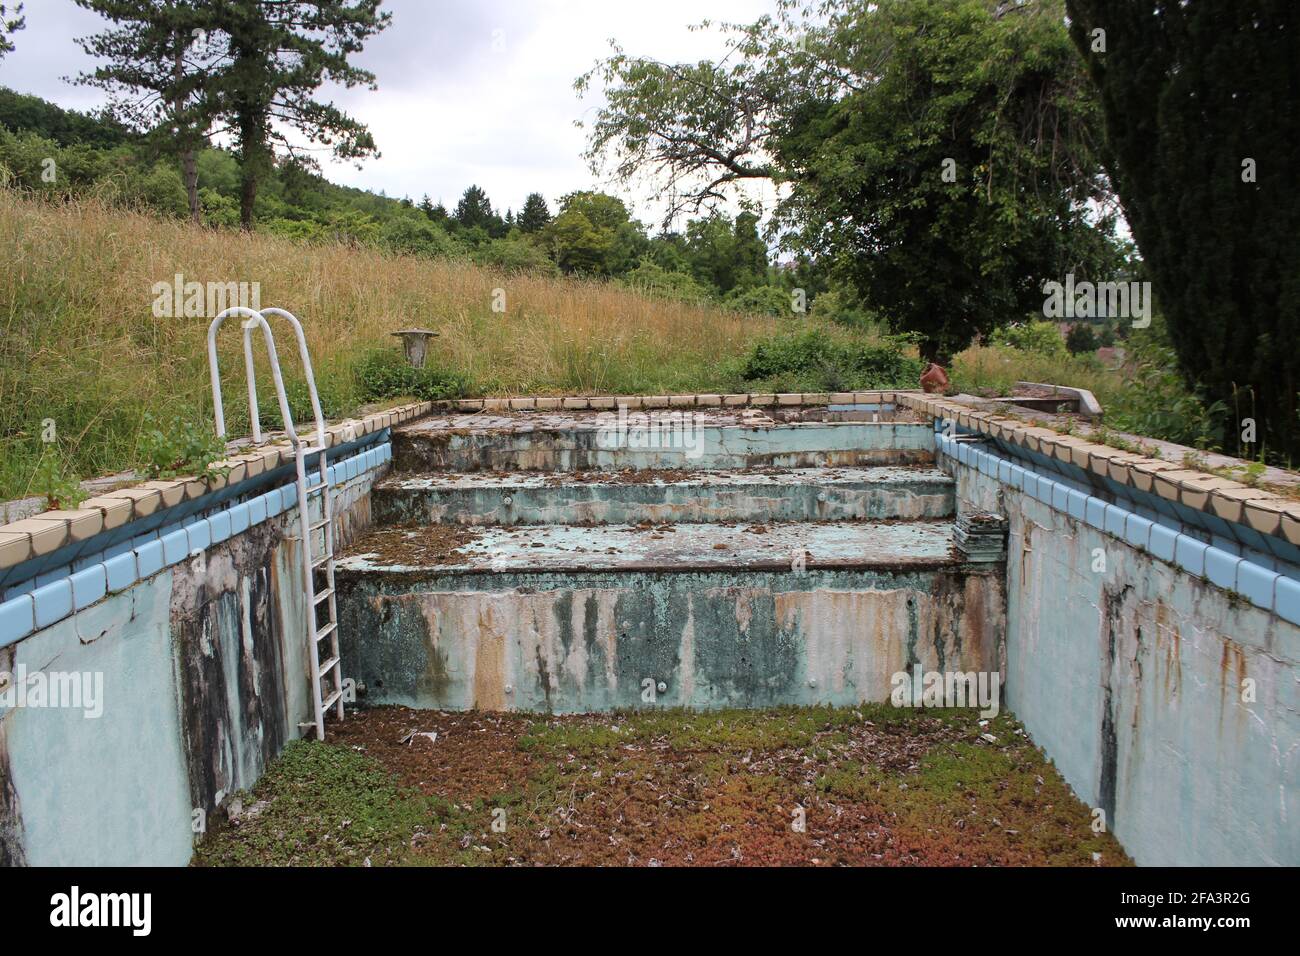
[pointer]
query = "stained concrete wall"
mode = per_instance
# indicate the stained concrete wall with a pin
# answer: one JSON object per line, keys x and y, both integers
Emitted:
{"x": 1131, "y": 679}
{"x": 574, "y": 641}
{"x": 205, "y": 677}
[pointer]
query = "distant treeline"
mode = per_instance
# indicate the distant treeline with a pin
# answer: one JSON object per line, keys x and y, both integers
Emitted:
{"x": 58, "y": 152}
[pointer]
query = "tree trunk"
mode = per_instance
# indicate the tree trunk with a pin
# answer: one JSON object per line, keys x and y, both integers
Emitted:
{"x": 189, "y": 164}
{"x": 190, "y": 174}
{"x": 247, "y": 193}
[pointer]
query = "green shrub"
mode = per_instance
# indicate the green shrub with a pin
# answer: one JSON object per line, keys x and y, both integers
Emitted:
{"x": 383, "y": 374}
{"x": 1041, "y": 337}
{"x": 178, "y": 447}
{"x": 1156, "y": 403}
{"x": 812, "y": 360}
{"x": 52, "y": 480}
{"x": 761, "y": 300}
{"x": 515, "y": 255}
{"x": 650, "y": 278}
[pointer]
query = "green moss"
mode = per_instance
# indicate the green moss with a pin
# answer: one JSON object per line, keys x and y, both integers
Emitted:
{"x": 322, "y": 805}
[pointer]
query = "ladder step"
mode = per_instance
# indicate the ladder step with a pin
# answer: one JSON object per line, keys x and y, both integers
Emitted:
{"x": 319, "y": 524}
{"x": 317, "y": 487}
{"x": 331, "y": 700}
{"x": 328, "y": 666}
{"x": 322, "y": 596}
{"x": 319, "y": 562}
{"x": 325, "y": 631}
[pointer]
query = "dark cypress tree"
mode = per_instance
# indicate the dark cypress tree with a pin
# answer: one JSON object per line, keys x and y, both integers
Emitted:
{"x": 535, "y": 214}
{"x": 1201, "y": 133}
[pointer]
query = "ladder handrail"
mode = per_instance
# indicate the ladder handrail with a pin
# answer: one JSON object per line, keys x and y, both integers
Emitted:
{"x": 308, "y": 374}
{"x": 253, "y": 319}
{"x": 215, "y": 372}
{"x": 315, "y": 632}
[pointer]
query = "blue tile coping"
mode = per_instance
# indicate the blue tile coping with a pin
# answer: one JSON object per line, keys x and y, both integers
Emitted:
{"x": 1260, "y": 585}
{"x": 55, "y": 595}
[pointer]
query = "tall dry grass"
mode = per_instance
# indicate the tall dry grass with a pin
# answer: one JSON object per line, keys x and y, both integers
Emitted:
{"x": 80, "y": 344}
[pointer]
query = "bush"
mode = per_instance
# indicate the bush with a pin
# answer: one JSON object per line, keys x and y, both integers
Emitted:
{"x": 515, "y": 255}
{"x": 650, "y": 278}
{"x": 383, "y": 374}
{"x": 812, "y": 360}
{"x": 761, "y": 300}
{"x": 1156, "y": 403}
{"x": 420, "y": 237}
{"x": 1041, "y": 337}
{"x": 1081, "y": 340}
{"x": 841, "y": 307}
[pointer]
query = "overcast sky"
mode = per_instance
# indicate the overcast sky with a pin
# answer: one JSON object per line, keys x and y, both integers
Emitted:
{"x": 477, "y": 91}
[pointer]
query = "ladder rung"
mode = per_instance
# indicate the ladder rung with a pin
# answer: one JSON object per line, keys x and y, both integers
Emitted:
{"x": 319, "y": 524}
{"x": 322, "y": 596}
{"x": 328, "y": 666}
{"x": 331, "y": 700}
{"x": 320, "y": 561}
{"x": 318, "y": 487}
{"x": 325, "y": 631}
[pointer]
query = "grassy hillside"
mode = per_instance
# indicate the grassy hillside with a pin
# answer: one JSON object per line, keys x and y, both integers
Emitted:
{"x": 81, "y": 346}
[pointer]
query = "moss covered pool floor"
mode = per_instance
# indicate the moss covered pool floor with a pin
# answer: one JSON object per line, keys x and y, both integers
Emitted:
{"x": 873, "y": 785}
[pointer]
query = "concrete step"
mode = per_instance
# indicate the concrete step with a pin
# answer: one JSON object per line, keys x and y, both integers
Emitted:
{"x": 689, "y": 439}
{"x": 632, "y": 497}
{"x": 566, "y": 619}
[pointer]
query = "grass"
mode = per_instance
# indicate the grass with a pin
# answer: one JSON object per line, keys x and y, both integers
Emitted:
{"x": 79, "y": 343}
{"x": 867, "y": 785}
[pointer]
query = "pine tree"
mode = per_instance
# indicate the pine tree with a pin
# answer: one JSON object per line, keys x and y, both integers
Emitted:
{"x": 279, "y": 53}
{"x": 535, "y": 214}
{"x": 10, "y": 23}
{"x": 1201, "y": 130}
{"x": 155, "y": 59}
{"x": 474, "y": 209}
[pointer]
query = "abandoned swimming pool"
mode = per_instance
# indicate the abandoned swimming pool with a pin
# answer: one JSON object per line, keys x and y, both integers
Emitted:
{"x": 671, "y": 555}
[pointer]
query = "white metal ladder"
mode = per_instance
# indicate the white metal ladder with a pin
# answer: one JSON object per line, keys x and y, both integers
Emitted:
{"x": 317, "y": 563}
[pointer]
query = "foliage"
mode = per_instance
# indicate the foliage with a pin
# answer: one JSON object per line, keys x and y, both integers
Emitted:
{"x": 474, "y": 212}
{"x": 515, "y": 254}
{"x": 20, "y": 111}
{"x": 178, "y": 446}
{"x": 11, "y": 21}
{"x": 385, "y": 374}
{"x": 321, "y": 805}
{"x": 761, "y": 300}
{"x": 155, "y": 69}
{"x": 1081, "y": 339}
{"x": 814, "y": 360}
{"x": 417, "y": 236}
{"x": 652, "y": 279}
{"x": 1158, "y": 403}
{"x": 1201, "y": 136}
{"x": 535, "y": 214}
{"x": 1041, "y": 337}
{"x": 274, "y": 56}
{"x": 860, "y": 109}
{"x": 60, "y": 488}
